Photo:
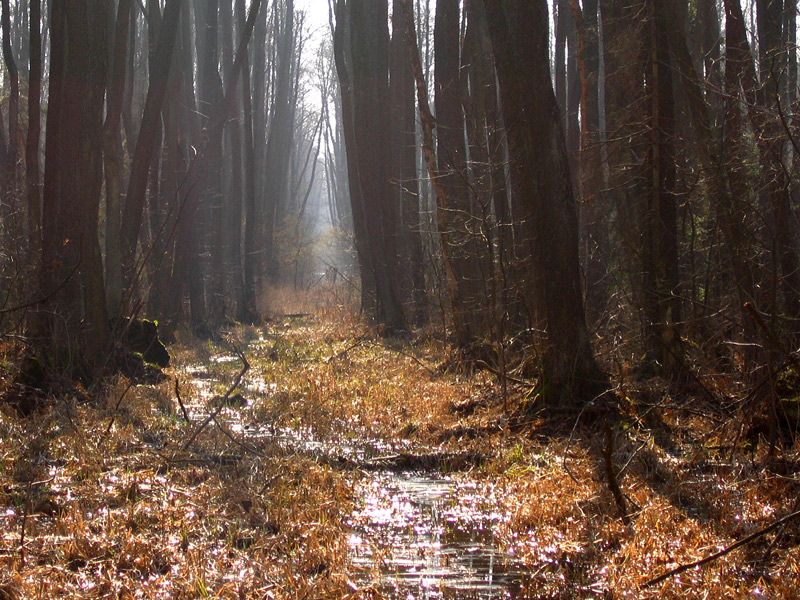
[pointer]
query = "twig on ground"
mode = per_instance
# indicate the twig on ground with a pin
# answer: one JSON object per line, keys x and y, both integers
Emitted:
{"x": 484, "y": 365}
{"x": 25, "y": 510}
{"x": 116, "y": 408}
{"x": 359, "y": 342}
{"x": 723, "y": 552}
{"x": 408, "y": 355}
{"x": 611, "y": 477}
{"x": 180, "y": 400}
{"x": 223, "y": 400}
{"x": 243, "y": 445}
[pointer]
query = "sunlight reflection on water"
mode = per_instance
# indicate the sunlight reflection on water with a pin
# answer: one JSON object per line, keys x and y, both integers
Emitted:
{"x": 417, "y": 536}
{"x": 423, "y": 536}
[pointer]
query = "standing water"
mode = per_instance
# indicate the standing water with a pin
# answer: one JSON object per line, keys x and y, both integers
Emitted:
{"x": 422, "y": 536}
{"x": 415, "y": 535}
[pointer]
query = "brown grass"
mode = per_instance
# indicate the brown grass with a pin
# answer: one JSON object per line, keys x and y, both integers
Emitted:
{"x": 98, "y": 499}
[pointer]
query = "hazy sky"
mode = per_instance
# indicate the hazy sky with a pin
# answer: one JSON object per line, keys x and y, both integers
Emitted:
{"x": 316, "y": 11}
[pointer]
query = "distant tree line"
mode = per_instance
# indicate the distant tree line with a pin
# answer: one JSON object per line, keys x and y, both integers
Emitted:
{"x": 155, "y": 160}
{"x": 637, "y": 183}
{"x": 628, "y": 179}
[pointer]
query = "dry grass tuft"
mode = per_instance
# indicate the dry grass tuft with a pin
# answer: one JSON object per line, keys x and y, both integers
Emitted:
{"x": 100, "y": 499}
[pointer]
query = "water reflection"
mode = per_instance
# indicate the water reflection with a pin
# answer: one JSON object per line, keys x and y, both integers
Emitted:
{"x": 421, "y": 536}
{"x": 417, "y": 536}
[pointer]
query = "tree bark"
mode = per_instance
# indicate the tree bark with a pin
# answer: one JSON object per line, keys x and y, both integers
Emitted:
{"x": 344, "y": 69}
{"x": 278, "y": 149}
{"x": 11, "y": 175}
{"x": 462, "y": 228}
{"x": 541, "y": 179}
{"x": 660, "y": 219}
{"x": 112, "y": 156}
{"x": 71, "y": 262}
{"x": 32, "y": 175}
{"x": 368, "y": 53}
{"x": 146, "y": 141}
{"x": 404, "y": 168}
{"x": 233, "y": 212}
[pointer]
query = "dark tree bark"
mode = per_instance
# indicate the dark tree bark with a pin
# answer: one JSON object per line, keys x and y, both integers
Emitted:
{"x": 247, "y": 312}
{"x": 32, "y": 176}
{"x": 187, "y": 262}
{"x": 594, "y": 207}
{"x": 278, "y": 151}
{"x": 770, "y": 136}
{"x": 344, "y": 69}
{"x": 232, "y": 218}
{"x": 404, "y": 168}
{"x": 660, "y": 217}
{"x": 541, "y": 179}
{"x": 149, "y": 134}
{"x": 11, "y": 175}
{"x": 462, "y": 227}
{"x": 210, "y": 98}
{"x": 76, "y": 322}
{"x": 368, "y": 50}
{"x": 112, "y": 154}
{"x": 726, "y": 178}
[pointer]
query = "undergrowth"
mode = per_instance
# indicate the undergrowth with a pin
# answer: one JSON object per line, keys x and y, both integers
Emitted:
{"x": 119, "y": 496}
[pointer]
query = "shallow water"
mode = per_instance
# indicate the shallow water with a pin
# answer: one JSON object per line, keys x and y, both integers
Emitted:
{"x": 426, "y": 536}
{"x": 415, "y": 536}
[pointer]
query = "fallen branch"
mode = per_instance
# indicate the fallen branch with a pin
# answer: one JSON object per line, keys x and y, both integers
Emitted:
{"x": 611, "y": 476}
{"x": 223, "y": 401}
{"x": 180, "y": 401}
{"x": 723, "y": 552}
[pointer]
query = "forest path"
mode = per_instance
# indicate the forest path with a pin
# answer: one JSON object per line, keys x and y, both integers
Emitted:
{"x": 421, "y": 526}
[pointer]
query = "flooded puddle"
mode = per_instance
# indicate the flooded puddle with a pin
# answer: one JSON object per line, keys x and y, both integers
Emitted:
{"x": 425, "y": 536}
{"x": 415, "y": 535}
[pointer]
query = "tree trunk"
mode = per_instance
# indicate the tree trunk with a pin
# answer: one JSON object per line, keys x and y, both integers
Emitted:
{"x": 233, "y": 213}
{"x": 278, "y": 152}
{"x": 32, "y": 176}
{"x": 344, "y": 69}
{"x": 404, "y": 168}
{"x": 594, "y": 209}
{"x": 112, "y": 155}
{"x": 11, "y": 175}
{"x": 71, "y": 262}
{"x": 462, "y": 227}
{"x": 367, "y": 51}
{"x": 147, "y": 139}
{"x": 541, "y": 179}
{"x": 660, "y": 252}
{"x": 210, "y": 98}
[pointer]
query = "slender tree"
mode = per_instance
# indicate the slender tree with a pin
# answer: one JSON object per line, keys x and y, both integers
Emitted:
{"x": 75, "y": 322}
{"x": 32, "y": 175}
{"x": 542, "y": 185}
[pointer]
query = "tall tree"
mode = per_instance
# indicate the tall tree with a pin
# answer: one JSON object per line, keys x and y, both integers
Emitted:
{"x": 112, "y": 152}
{"x": 76, "y": 321}
{"x": 12, "y": 166}
{"x": 541, "y": 184}
{"x": 368, "y": 56}
{"x": 404, "y": 167}
{"x": 32, "y": 175}
{"x": 278, "y": 149}
{"x": 344, "y": 68}
{"x": 149, "y": 133}
{"x": 462, "y": 228}
{"x": 232, "y": 219}
{"x": 660, "y": 215}
{"x": 210, "y": 99}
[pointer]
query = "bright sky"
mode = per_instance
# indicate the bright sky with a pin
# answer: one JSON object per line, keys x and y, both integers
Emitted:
{"x": 316, "y": 13}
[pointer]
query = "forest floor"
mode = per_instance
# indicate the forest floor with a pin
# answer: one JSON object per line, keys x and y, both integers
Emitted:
{"x": 309, "y": 480}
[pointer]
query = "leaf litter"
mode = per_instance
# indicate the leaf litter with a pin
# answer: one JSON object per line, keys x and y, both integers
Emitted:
{"x": 98, "y": 498}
